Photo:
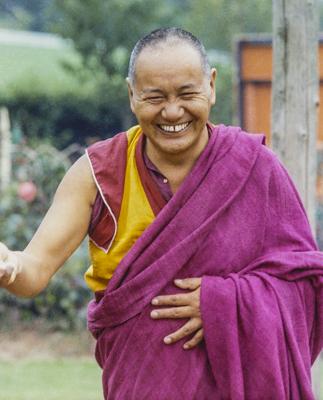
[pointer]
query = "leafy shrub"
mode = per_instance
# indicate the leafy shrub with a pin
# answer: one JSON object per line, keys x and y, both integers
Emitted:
{"x": 73, "y": 114}
{"x": 64, "y": 302}
{"x": 92, "y": 107}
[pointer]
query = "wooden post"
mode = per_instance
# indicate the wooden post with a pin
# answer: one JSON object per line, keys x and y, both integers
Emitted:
{"x": 295, "y": 101}
{"x": 5, "y": 148}
{"x": 295, "y": 93}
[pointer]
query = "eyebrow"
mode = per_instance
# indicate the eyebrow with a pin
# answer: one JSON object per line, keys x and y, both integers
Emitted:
{"x": 187, "y": 86}
{"x": 151, "y": 90}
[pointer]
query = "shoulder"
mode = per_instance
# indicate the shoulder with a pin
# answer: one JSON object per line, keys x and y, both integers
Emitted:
{"x": 116, "y": 143}
{"x": 253, "y": 145}
{"x": 270, "y": 171}
{"x": 102, "y": 147}
{"x": 105, "y": 154}
{"x": 78, "y": 181}
{"x": 81, "y": 169}
{"x": 238, "y": 142}
{"x": 248, "y": 138}
{"x": 242, "y": 146}
{"x": 266, "y": 156}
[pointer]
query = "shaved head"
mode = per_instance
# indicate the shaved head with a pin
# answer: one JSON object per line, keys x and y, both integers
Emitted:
{"x": 166, "y": 36}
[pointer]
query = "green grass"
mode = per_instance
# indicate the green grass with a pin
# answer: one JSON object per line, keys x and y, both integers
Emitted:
{"x": 317, "y": 375}
{"x": 19, "y": 63}
{"x": 72, "y": 379}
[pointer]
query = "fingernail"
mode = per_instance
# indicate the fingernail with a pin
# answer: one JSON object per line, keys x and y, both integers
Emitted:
{"x": 186, "y": 346}
{"x": 154, "y": 314}
{"x": 167, "y": 340}
{"x": 178, "y": 281}
{"x": 154, "y": 302}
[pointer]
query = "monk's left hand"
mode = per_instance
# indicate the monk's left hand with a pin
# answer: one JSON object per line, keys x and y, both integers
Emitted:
{"x": 182, "y": 305}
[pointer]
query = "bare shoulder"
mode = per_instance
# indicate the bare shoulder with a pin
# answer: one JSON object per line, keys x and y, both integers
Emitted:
{"x": 78, "y": 181}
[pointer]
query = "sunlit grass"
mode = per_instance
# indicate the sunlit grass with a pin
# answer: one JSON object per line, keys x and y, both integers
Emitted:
{"x": 72, "y": 379}
{"x": 317, "y": 376}
{"x": 20, "y": 64}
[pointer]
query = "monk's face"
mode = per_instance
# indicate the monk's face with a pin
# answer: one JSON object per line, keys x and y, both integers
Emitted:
{"x": 171, "y": 97}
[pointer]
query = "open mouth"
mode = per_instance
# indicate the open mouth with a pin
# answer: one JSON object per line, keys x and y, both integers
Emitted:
{"x": 170, "y": 129}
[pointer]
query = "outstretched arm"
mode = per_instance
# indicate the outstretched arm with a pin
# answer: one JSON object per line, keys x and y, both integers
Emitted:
{"x": 26, "y": 273}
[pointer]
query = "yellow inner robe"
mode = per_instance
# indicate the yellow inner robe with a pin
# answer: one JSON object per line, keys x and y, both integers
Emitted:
{"x": 135, "y": 216}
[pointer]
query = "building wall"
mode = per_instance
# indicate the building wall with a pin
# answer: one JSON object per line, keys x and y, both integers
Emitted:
{"x": 254, "y": 86}
{"x": 254, "y": 60}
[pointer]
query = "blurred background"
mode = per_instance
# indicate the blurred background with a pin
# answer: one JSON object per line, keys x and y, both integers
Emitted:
{"x": 63, "y": 65}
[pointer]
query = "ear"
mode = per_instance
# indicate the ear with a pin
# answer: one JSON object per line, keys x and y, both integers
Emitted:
{"x": 130, "y": 94}
{"x": 213, "y": 86}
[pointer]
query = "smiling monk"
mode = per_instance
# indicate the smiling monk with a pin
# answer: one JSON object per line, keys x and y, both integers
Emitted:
{"x": 208, "y": 283}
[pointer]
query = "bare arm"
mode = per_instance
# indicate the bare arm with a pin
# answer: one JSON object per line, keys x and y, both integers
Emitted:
{"x": 62, "y": 230}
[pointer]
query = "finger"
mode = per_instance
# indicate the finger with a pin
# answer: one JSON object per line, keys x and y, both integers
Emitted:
{"x": 15, "y": 265}
{"x": 173, "y": 313}
{"x": 189, "y": 328}
{"x": 5, "y": 275}
{"x": 3, "y": 251}
{"x": 9, "y": 269}
{"x": 2, "y": 270}
{"x": 197, "y": 338}
{"x": 188, "y": 283}
{"x": 13, "y": 276}
{"x": 181, "y": 299}
{"x": 6, "y": 271}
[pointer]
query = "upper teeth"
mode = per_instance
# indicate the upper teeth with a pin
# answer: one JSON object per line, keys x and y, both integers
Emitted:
{"x": 174, "y": 128}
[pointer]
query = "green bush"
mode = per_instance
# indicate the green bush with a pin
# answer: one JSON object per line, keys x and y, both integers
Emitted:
{"x": 68, "y": 114}
{"x": 95, "y": 108}
{"x": 63, "y": 303}
{"x": 222, "y": 111}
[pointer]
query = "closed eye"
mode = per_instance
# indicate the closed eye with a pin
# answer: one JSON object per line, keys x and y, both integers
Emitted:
{"x": 188, "y": 95}
{"x": 154, "y": 99}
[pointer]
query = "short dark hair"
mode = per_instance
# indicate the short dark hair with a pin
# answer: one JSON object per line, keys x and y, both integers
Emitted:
{"x": 162, "y": 35}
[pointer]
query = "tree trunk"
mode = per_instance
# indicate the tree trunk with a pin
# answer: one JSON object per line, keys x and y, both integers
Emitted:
{"x": 5, "y": 149}
{"x": 295, "y": 93}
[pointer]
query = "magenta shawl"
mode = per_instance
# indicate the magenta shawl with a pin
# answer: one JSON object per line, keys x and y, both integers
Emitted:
{"x": 238, "y": 223}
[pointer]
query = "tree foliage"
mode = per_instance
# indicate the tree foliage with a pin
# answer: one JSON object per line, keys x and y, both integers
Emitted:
{"x": 216, "y": 22}
{"x": 33, "y": 15}
{"x": 103, "y": 33}
{"x": 63, "y": 117}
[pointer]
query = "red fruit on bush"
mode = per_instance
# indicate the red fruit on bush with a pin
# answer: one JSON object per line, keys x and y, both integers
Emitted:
{"x": 27, "y": 191}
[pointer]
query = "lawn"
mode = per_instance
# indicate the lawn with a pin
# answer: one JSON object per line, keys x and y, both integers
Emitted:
{"x": 19, "y": 63}
{"x": 40, "y": 365}
{"x": 72, "y": 379}
{"x": 317, "y": 376}
{"x": 65, "y": 378}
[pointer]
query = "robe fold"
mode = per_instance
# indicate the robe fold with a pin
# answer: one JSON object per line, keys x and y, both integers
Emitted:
{"x": 237, "y": 222}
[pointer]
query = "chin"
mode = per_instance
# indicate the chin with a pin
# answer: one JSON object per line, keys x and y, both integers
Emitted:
{"x": 177, "y": 148}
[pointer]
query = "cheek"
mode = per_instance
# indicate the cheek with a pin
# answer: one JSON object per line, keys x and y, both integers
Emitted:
{"x": 146, "y": 113}
{"x": 201, "y": 110}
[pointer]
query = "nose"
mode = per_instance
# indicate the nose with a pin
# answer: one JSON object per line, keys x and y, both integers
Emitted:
{"x": 172, "y": 111}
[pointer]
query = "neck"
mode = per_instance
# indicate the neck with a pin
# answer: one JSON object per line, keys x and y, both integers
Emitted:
{"x": 176, "y": 166}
